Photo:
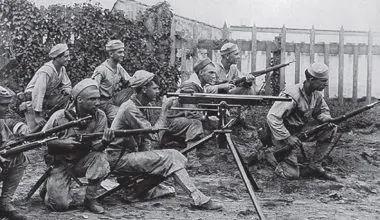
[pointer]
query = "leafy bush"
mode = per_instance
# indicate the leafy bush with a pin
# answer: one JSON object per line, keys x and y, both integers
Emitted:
{"x": 86, "y": 28}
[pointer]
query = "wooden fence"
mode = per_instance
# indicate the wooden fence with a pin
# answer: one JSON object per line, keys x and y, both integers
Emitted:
{"x": 311, "y": 48}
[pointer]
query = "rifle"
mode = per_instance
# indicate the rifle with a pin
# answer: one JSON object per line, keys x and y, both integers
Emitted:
{"x": 25, "y": 147}
{"x": 304, "y": 135}
{"x": 45, "y": 134}
{"x": 258, "y": 73}
{"x": 118, "y": 133}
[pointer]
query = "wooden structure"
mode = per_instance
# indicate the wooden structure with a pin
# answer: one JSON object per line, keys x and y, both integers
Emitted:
{"x": 328, "y": 49}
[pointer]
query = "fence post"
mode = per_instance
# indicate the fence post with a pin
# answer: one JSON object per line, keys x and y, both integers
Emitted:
{"x": 341, "y": 66}
{"x": 327, "y": 62}
{"x": 254, "y": 48}
{"x": 283, "y": 57}
{"x": 172, "y": 49}
{"x": 355, "y": 75}
{"x": 267, "y": 76}
{"x": 369, "y": 68}
{"x": 312, "y": 42}
{"x": 298, "y": 63}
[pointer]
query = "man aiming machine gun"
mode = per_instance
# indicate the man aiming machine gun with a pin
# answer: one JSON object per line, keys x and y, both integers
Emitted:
{"x": 125, "y": 119}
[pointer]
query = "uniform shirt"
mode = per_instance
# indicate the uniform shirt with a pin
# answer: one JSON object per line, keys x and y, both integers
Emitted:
{"x": 207, "y": 88}
{"x": 109, "y": 79}
{"x": 46, "y": 82}
{"x": 97, "y": 124}
{"x": 223, "y": 76}
{"x": 285, "y": 116}
{"x": 5, "y": 132}
{"x": 130, "y": 116}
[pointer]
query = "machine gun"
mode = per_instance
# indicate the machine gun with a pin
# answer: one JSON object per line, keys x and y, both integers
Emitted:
{"x": 45, "y": 134}
{"x": 223, "y": 135}
{"x": 25, "y": 147}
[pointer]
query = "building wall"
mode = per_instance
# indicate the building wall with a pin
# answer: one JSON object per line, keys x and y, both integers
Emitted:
{"x": 185, "y": 27}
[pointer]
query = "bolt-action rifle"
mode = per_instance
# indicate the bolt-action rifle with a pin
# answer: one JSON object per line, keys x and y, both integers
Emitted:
{"x": 304, "y": 135}
{"x": 258, "y": 73}
{"x": 25, "y": 147}
{"x": 45, "y": 134}
{"x": 118, "y": 133}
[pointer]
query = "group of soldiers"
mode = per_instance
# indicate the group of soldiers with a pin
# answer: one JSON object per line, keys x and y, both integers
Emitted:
{"x": 141, "y": 153}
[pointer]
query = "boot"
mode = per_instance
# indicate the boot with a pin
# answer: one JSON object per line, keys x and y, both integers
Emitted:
{"x": 193, "y": 160}
{"x": 90, "y": 202}
{"x": 93, "y": 206}
{"x": 12, "y": 178}
{"x": 210, "y": 205}
{"x": 322, "y": 173}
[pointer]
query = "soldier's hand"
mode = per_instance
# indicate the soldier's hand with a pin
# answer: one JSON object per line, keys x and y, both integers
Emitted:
{"x": 108, "y": 136}
{"x": 293, "y": 141}
{"x": 71, "y": 143}
{"x": 167, "y": 103}
{"x": 3, "y": 161}
{"x": 249, "y": 78}
{"x": 40, "y": 121}
{"x": 227, "y": 86}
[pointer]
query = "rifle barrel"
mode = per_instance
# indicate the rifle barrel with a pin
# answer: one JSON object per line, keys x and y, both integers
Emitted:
{"x": 355, "y": 112}
{"x": 26, "y": 147}
{"x": 120, "y": 133}
{"x": 261, "y": 72}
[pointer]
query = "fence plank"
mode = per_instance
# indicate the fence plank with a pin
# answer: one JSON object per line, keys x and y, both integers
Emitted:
{"x": 327, "y": 62}
{"x": 254, "y": 48}
{"x": 304, "y": 48}
{"x": 267, "y": 77}
{"x": 283, "y": 57}
{"x": 173, "y": 46}
{"x": 312, "y": 42}
{"x": 369, "y": 68}
{"x": 341, "y": 66}
{"x": 355, "y": 75}
{"x": 298, "y": 63}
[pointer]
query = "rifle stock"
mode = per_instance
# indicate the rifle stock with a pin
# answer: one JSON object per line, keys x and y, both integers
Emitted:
{"x": 47, "y": 133}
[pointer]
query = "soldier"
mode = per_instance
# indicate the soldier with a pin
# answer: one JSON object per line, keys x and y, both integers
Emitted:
{"x": 49, "y": 87}
{"x": 70, "y": 157}
{"x": 308, "y": 108}
{"x": 186, "y": 126}
{"x": 12, "y": 168}
{"x": 227, "y": 71}
{"x": 109, "y": 75}
{"x": 140, "y": 155}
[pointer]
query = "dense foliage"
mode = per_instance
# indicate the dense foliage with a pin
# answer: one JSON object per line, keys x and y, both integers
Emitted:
{"x": 86, "y": 28}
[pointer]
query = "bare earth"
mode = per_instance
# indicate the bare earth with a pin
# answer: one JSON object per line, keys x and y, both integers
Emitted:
{"x": 356, "y": 161}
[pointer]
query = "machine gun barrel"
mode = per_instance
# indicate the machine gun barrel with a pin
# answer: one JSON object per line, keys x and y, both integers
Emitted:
{"x": 195, "y": 98}
{"x": 177, "y": 108}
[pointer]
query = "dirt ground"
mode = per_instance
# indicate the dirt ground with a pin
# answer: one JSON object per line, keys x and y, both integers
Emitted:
{"x": 355, "y": 160}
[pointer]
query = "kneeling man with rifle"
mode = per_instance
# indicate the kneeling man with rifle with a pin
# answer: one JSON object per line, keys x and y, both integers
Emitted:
{"x": 287, "y": 119}
{"x": 137, "y": 155}
{"x": 70, "y": 157}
